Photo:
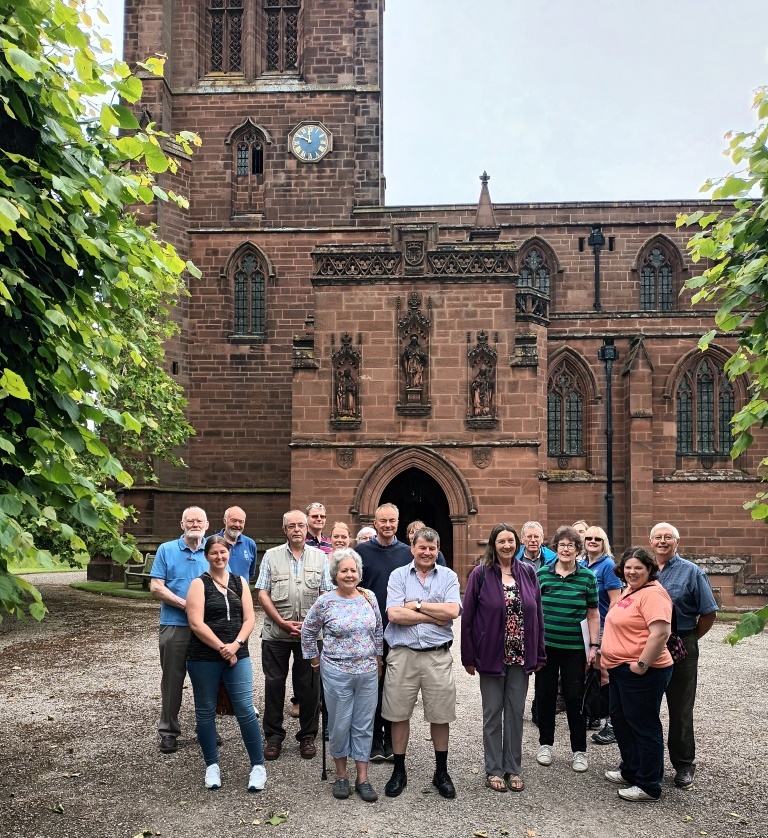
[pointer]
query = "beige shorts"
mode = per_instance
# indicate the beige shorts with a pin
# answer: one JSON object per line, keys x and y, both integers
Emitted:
{"x": 407, "y": 673}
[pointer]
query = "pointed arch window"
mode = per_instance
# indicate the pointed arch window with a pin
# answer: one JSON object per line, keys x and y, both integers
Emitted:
{"x": 225, "y": 27}
{"x": 657, "y": 280}
{"x": 535, "y": 270}
{"x": 705, "y": 406}
{"x": 565, "y": 412}
{"x": 282, "y": 41}
{"x": 249, "y": 290}
{"x": 250, "y": 155}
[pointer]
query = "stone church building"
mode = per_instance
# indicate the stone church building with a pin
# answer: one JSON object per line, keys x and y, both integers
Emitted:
{"x": 472, "y": 364}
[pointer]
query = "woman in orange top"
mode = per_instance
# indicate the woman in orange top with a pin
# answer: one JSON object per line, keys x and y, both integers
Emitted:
{"x": 634, "y": 651}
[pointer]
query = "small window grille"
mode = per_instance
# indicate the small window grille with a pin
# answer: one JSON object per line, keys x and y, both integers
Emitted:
{"x": 656, "y": 281}
{"x": 249, "y": 291}
{"x": 225, "y": 25}
{"x": 282, "y": 47}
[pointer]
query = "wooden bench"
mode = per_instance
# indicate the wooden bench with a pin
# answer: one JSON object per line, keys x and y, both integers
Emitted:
{"x": 139, "y": 572}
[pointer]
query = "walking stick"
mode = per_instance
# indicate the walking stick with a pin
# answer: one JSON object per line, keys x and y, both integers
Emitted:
{"x": 324, "y": 775}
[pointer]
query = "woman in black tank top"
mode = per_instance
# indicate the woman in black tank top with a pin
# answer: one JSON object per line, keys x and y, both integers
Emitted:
{"x": 220, "y": 612}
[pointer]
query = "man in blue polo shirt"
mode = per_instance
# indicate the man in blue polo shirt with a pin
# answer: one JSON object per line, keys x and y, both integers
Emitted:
{"x": 176, "y": 564}
{"x": 694, "y": 615}
{"x": 242, "y": 550}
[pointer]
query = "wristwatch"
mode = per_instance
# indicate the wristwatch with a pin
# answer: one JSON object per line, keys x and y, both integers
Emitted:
{"x": 418, "y": 605}
{"x": 643, "y": 665}
{"x": 241, "y": 642}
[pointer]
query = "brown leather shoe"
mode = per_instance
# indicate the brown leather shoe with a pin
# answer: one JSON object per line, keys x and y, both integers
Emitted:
{"x": 307, "y": 747}
{"x": 272, "y": 750}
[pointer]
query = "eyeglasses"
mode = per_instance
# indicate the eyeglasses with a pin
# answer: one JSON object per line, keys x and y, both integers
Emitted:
{"x": 566, "y": 545}
{"x": 295, "y": 526}
{"x": 592, "y": 538}
{"x": 664, "y": 538}
{"x": 194, "y": 521}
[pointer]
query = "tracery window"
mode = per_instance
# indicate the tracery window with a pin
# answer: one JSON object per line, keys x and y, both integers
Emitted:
{"x": 535, "y": 271}
{"x": 250, "y": 155}
{"x": 705, "y": 406}
{"x": 656, "y": 280}
{"x": 565, "y": 412}
{"x": 249, "y": 288}
{"x": 282, "y": 41}
{"x": 225, "y": 25}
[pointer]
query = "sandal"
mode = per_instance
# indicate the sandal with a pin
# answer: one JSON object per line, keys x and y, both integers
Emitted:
{"x": 514, "y": 782}
{"x": 495, "y": 783}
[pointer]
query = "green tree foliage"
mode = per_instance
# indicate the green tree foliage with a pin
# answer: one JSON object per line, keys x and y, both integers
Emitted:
{"x": 736, "y": 245}
{"x": 84, "y": 288}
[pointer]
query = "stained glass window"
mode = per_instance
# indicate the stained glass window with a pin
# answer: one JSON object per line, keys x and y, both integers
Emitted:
{"x": 705, "y": 407}
{"x": 656, "y": 281}
{"x": 565, "y": 413}
{"x": 534, "y": 270}
{"x": 249, "y": 296}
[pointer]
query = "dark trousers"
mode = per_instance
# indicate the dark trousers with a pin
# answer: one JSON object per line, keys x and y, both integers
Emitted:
{"x": 173, "y": 644}
{"x": 634, "y": 704}
{"x": 382, "y": 728}
{"x": 275, "y": 663}
{"x": 681, "y": 696}
{"x": 570, "y": 666}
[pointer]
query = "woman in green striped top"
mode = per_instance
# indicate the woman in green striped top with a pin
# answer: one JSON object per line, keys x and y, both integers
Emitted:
{"x": 569, "y": 594}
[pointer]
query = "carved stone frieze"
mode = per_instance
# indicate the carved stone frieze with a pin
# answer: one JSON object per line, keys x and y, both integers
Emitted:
{"x": 531, "y": 306}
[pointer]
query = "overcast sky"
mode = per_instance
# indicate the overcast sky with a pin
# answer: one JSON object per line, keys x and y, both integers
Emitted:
{"x": 564, "y": 100}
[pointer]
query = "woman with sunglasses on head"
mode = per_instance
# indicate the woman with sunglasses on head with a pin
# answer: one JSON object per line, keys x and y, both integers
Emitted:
{"x": 568, "y": 595}
{"x": 502, "y": 639}
{"x": 639, "y": 665}
{"x": 599, "y": 559}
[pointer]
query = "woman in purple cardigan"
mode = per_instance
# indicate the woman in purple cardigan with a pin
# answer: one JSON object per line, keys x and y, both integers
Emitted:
{"x": 502, "y": 639}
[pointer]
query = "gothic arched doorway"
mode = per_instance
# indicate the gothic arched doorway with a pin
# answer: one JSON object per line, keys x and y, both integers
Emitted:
{"x": 419, "y": 496}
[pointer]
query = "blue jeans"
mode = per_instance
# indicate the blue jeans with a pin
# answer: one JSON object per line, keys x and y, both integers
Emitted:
{"x": 351, "y": 702}
{"x": 635, "y": 701}
{"x": 238, "y": 679}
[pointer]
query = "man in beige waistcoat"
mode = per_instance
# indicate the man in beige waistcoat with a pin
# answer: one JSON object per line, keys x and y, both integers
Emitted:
{"x": 291, "y": 578}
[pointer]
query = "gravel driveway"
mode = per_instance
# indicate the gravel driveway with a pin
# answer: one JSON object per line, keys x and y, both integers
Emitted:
{"x": 78, "y": 753}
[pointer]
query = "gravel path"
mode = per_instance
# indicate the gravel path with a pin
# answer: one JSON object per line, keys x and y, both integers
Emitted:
{"x": 78, "y": 753}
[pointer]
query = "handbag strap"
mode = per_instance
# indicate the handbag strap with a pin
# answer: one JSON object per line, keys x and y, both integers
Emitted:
{"x": 367, "y": 596}
{"x": 231, "y": 590}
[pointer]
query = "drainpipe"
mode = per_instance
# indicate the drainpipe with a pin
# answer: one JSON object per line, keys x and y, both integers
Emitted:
{"x": 597, "y": 241}
{"x": 608, "y": 354}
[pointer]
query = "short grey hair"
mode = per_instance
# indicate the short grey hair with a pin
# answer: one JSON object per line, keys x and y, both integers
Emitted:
{"x": 532, "y": 525}
{"x": 427, "y": 534}
{"x": 666, "y": 524}
{"x": 338, "y": 556}
{"x": 315, "y": 505}
{"x": 291, "y": 512}
{"x": 370, "y": 531}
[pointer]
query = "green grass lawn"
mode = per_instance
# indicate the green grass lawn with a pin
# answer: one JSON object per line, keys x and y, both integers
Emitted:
{"x": 17, "y": 570}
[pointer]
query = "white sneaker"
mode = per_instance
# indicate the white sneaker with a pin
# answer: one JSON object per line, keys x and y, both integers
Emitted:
{"x": 258, "y": 778}
{"x": 635, "y": 795}
{"x": 580, "y": 762}
{"x": 213, "y": 776}
{"x": 615, "y": 777}
{"x": 544, "y": 756}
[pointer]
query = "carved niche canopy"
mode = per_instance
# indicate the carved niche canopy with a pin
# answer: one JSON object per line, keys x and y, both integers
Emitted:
{"x": 482, "y": 362}
{"x": 413, "y": 358}
{"x": 345, "y": 384}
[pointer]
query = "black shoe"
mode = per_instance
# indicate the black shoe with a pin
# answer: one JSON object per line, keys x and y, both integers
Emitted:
{"x": 593, "y": 724}
{"x": 684, "y": 777}
{"x": 340, "y": 788}
{"x": 397, "y": 782}
{"x": 443, "y": 783}
{"x": 168, "y": 745}
{"x": 377, "y": 749}
{"x": 606, "y": 735}
{"x": 389, "y": 755}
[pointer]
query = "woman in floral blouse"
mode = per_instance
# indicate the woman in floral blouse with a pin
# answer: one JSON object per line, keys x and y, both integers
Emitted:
{"x": 349, "y": 620}
{"x": 502, "y": 639}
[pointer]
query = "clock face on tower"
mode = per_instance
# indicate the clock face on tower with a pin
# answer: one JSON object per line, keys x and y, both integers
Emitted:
{"x": 310, "y": 142}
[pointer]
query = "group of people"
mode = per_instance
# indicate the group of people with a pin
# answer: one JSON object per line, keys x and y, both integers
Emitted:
{"x": 371, "y": 628}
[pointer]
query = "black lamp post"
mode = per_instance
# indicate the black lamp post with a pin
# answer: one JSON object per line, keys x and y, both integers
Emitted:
{"x": 608, "y": 354}
{"x": 597, "y": 241}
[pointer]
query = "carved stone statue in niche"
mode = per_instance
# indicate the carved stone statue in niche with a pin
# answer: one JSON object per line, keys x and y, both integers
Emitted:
{"x": 345, "y": 393}
{"x": 482, "y": 393}
{"x": 414, "y": 361}
{"x": 481, "y": 380}
{"x": 413, "y": 358}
